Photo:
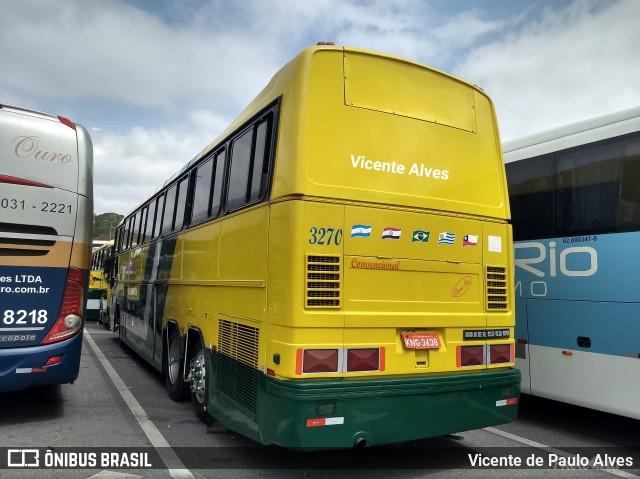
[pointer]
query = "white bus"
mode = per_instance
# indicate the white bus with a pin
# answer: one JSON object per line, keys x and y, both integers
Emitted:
{"x": 575, "y": 207}
{"x": 46, "y": 222}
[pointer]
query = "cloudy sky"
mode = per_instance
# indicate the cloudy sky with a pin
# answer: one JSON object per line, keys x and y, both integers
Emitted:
{"x": 154, "y": 81}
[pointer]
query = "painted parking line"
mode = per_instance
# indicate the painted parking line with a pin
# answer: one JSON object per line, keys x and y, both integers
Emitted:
{"x": 176, "y": 468}
{"x": 559, "y": 452}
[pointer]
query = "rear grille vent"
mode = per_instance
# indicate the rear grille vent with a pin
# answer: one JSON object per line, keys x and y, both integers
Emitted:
{"x": 496, "y": 287}
{"x": 22, "y": 252}
{"x": 237, "y": 365}
{"x": 27, "y": 229}
{"x": 322, "y": 286}
{"x": 14, "y": 235}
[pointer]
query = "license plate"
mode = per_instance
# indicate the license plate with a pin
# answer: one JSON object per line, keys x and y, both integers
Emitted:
{"x": 421, "y": 340}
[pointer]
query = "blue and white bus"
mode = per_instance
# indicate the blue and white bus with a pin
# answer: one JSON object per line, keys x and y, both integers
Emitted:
{"x": 575, "y": 205}
{"x": 46, "y": 222}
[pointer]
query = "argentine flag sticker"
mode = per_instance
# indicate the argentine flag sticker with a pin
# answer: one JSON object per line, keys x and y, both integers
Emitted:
{"x": 361, "y": 230}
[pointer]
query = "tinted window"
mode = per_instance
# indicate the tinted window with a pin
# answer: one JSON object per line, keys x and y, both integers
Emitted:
{"x": 259, "y": 171}
{"x": 239, "y": 174}
{"x": 148, "y": 232}
{"x": 135, "y": 230}
{"x": 218, "y": 176}
{"x": 143, "y": 224}
{"x": 169, "y": 205}
{"x": 128, "y": 232}
{"x": 597, "y": 188}
{"x": 531, "y": 186}
{"x": 181, "y": 203}
{"x": 202, "y": 191}
{"x": 158, "y": 222}
{"x": 117, "y": 240}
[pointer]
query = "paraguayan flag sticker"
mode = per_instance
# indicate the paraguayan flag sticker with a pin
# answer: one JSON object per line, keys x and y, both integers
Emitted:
{"x": 391, "y": 233}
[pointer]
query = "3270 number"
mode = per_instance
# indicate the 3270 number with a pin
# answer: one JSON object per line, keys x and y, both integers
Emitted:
{"x": 325, "y": 236}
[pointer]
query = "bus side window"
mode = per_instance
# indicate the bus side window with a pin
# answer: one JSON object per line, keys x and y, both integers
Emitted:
{"x": 202, "y": 191}
{"x": 143, "y": 224}
{"x": 128, "y": 232}
{"x": 218, "y": 176}
{"x": 135, "y": 228}
{"x": 181, "y": 203}
{"x": 169, "y": 209}
{"x": 591, "y": 182}
{"x": 239, "y": 170}
{"x": 260, "y": 163}
{"x": 148, "y": 232}
{"x": 158, "y": 223}
{"x": 531, "y": 191}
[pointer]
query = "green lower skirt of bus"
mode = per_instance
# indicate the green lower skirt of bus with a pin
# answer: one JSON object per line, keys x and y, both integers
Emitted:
{"x": 332, "y": 414}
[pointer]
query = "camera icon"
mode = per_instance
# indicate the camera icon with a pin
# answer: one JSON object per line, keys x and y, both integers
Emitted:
{"x": 23, "y": 458}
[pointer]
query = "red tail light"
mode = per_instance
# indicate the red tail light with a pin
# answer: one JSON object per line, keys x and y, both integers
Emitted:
{"x": 53, "y": 360}
{"x": 320, "y": 361}
{"x": 470, "y": 355}
{"x": 363, "y": 359}
{"x": 69, "y": 320}
{"x": 500, "y": 353}
{"x": 12, "y": 180}
{"x": 66, "y": 121}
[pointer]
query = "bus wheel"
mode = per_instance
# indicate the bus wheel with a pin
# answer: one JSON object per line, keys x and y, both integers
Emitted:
{"x": 176, "y": 387}
{"x": 197, "y": 378}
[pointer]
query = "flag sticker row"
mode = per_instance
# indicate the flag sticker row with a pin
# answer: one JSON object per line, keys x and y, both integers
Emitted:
{"x": 418, "y": 236}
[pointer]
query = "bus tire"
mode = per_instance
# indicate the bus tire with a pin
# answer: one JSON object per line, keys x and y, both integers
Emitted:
{"x": 177, "y": 389}
{"x": 198, "y": 376}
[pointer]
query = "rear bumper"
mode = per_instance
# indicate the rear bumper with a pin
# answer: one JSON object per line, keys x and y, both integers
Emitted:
{"x": 335, "y": 414}
{"x": 345, "y": 414}
{"x": 21, "y": 368}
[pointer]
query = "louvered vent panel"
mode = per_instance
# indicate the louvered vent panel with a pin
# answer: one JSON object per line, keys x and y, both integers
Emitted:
{"x": 496, "y": 288}
{"x": 322, "y": 286}
{"x": 13, "y": 240}
{"x": 237, "y": 366}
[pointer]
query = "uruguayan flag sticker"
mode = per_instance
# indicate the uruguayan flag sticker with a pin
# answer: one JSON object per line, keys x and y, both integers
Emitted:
{"x": 447, "y": 238}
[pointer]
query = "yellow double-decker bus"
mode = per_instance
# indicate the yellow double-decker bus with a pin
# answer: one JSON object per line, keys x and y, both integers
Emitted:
{"x": 335, "y": 269}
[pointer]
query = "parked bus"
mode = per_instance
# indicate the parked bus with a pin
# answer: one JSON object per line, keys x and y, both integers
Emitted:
{"x": 575, "y": 204}
{"x": 98, "y": 295}
{"x": 335, "y": 269}
{"x": 46, "y": 221}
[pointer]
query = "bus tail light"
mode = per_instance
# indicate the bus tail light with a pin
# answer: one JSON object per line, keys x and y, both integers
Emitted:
{"x": 500, "y": 353}
{"x": 363, "y": 359}
{"x": 470, "y": 356}
{"x": 66, "y": 121}
{"x": 14, "y": 180}
{"x": 53, "y": 360}
{"x": 320, "y": 361}
{"x": 69, "y": 320}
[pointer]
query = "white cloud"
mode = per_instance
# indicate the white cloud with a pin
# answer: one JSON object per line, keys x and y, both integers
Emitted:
{"x": 220, "y": 53}
{"x": 128, "y": 168}
{"x": 180, "y": 75}
{"x": 117, "y": 53}
{"x": 575, "y": 64}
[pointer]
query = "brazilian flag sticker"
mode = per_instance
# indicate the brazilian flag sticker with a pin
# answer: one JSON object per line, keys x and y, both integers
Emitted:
{"x": 420, "y": 236}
